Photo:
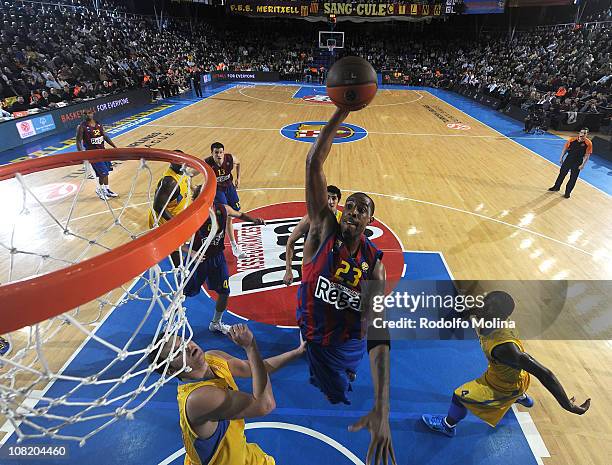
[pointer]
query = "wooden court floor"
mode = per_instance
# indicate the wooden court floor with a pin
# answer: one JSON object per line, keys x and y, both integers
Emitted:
{"x": 474, "y": 195}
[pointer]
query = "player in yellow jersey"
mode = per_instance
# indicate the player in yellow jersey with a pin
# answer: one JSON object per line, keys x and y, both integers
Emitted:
{"x": 301, "y": 230}
{"x": 211, "y": 407}
{"x": 172, "y": 195}
{"x": 507, "y": 377}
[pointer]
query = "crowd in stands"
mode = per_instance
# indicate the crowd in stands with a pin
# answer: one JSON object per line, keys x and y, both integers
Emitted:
{"x": 51, "y": 56}
{"x": 562, "y": 71}
{"x": 600, "y": 16}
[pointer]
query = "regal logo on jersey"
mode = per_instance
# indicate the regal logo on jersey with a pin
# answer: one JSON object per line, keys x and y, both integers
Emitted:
{"x": 222, "y": 177}
{"x": 318, "y": 99}
{"x": 257, "y": 289}
{"x": 308, "y": 131}
{"x": 341, "y": 297}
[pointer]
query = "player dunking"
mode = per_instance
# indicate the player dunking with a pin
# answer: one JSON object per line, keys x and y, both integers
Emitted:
{"x": 213, "y": 269}
{"x": 334, "y": 308}
{"x": 223, "y": 164}
{"x": 301, "y": 231}
{"x": 211, "y": 407}
{"x": 90, "y": 135}
{"x": 506, "y": 379}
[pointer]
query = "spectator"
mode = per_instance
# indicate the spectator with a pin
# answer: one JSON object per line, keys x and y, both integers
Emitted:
{"x": 43, "y": 100}
{"x": 589, "y": 107}
{"x": 54, "y": 98}
{"x": 67, "y": 94}
{"x": 19, "y": 105}
{"x": 3, "y": 112}
{"x": 36, "y": 103}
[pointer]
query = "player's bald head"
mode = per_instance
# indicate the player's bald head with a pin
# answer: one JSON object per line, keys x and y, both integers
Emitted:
{"x": 363, "y": 197}
{"x": 498, "y": 304}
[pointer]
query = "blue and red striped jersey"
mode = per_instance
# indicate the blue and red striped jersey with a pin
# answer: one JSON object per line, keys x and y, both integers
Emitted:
{"x": 223, "y": 172}
{"x": 217, "y": 245}
{"x": 329, "y": 298}
{"x": 93, "y": 136}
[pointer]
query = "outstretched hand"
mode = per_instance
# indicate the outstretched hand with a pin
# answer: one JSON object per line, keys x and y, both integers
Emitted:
{"x": 578, "y": 409}
{"x": 381, "y": 445}
{"x": 241, "y": 335}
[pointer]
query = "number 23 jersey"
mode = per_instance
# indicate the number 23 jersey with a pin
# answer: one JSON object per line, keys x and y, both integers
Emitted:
{"x": 329, "y": 297}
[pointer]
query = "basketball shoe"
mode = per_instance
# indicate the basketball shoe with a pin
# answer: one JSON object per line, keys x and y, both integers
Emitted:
{"x": 219, "y": 326}
{"x": 110, "y": 193}
{"x": 525, "y": 401}
{"x": 438, "y": 424}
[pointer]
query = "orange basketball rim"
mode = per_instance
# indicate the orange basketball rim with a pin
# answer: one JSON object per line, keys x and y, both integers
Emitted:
{"x": 30, "y": 301}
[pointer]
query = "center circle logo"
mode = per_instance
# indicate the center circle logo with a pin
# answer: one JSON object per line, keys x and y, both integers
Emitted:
{"x": 307, "y": 131}
{"x": 256, "y": 284}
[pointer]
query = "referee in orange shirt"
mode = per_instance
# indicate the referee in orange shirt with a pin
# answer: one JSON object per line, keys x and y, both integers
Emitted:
{"x": 576, "y": 148}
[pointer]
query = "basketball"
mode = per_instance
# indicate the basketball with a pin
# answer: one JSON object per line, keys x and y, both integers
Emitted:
{"x": 352, "y": 83}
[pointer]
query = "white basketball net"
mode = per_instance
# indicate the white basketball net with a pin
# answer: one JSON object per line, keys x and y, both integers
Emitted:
{"x": 331, "y": 45}
{"x": 43, "y": 392}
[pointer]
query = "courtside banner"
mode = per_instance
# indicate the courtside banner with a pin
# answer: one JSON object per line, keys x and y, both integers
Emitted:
{"x": 254, "y": 76}
{"x": 71, "y": 116}
{"x": 268, "y": 8}
{"x": 16, "y": 132}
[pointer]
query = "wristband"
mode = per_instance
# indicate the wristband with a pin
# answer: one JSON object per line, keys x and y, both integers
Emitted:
{"x": 377, "y": 337}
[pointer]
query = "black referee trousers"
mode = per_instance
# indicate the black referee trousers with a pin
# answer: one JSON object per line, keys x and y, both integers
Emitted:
{"x": 566, "y": 167}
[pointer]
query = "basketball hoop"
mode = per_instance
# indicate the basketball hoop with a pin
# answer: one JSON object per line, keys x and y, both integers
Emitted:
{"x": 66, "y": 294}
